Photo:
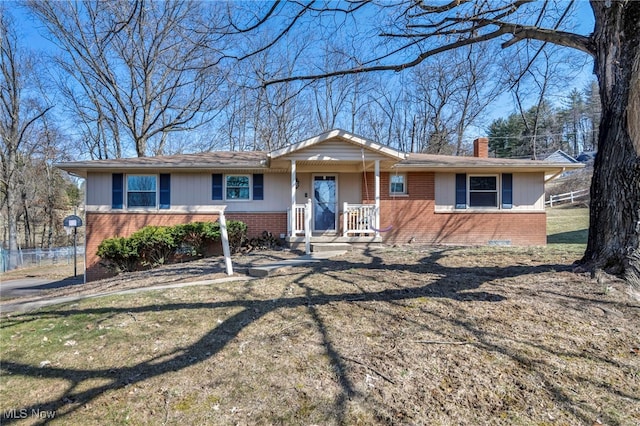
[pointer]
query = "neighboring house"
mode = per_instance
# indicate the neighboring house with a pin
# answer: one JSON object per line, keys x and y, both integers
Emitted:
{"x": 357, "y": 191}
{"x": 560, "y": 157}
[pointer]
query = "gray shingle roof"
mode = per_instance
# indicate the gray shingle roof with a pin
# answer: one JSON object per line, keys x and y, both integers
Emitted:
{"x": 204, "y": 160}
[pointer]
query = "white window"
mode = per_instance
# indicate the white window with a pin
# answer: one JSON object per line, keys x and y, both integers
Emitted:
{"x": 237, "y": 187}
{"x": 141, "y": 191}
{"x": 398, "y": 184}
{"x": 483, "y": 191}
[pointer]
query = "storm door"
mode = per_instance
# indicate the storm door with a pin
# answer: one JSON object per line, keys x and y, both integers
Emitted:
{"x": 325, "y": 203}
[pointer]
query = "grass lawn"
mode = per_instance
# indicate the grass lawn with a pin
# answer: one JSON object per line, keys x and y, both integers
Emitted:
{"x": 567, "y": 227}
{"x": 384, "y": 336}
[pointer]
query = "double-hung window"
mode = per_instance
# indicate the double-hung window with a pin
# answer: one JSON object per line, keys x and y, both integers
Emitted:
{"x": 237, "y": 187}
{"x": 141, "y": 191}
{"x": 398, "y": 184}
{"x": 483, "y": 191}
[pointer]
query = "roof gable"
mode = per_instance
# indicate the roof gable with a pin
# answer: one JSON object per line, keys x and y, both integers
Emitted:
{"x": 560, "y": 157}
{"x": 323, "y": 147}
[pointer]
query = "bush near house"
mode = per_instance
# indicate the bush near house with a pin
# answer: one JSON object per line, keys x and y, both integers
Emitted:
{"x": 195, "y": 236}
{"x": 152, "y": 246}
{"x": 120, "y": 254}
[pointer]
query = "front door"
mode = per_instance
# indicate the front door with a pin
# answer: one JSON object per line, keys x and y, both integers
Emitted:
{"x": 325, "y": 203}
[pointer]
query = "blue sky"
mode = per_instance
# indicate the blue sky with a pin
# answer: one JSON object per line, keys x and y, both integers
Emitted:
{"x": 582, "y": 23}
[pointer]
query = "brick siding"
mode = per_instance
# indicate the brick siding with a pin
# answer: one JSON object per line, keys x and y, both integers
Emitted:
{"x": 413, "y": 218}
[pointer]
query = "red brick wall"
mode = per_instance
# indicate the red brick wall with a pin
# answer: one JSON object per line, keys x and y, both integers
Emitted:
{"x": 100, "y": 226}
{"x": 413, "y": 218}
{"x": 276, "y": 223}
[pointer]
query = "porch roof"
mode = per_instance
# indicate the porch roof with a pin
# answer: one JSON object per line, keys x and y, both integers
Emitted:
{"x": 337, "y": 134}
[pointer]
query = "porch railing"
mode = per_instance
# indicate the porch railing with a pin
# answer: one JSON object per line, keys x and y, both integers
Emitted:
{"x": 357, "y": 219}
{"x": 296, "y": 224}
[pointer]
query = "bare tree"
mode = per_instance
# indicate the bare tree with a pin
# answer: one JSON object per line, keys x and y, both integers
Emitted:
{"x": 453, "y": 93}
{"x": 140, "y": 70}
{"x": 419, "y": 30}
{"x": 19, "y": 113}
{"x": 260, "y": 117}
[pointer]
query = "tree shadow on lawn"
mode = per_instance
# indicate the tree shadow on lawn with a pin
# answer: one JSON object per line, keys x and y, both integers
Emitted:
{"x": 459, "y": 283}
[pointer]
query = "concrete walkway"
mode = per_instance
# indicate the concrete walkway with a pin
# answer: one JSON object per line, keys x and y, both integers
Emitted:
{"x": 29, "y": 286}
{"x": 265, "y": 270}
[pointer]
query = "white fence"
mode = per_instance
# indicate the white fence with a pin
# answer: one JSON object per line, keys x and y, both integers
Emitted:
{"x": 571, "y": 197}
{"x": 25, "y": 258}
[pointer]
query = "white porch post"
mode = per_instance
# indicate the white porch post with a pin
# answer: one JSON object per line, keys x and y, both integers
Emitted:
{"x": 376, "y": 219}
{"x": 293, "y": 197}
{"x": 307, "y": 227}
{"x": 345, "y": 219}
{"x": 225, "y": 242}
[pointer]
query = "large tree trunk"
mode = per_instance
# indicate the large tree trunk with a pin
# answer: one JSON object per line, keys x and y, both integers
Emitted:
{"x": 615, "y": 189}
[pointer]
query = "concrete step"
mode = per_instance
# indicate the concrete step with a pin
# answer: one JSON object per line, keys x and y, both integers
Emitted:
{"x": 323, "y": 247}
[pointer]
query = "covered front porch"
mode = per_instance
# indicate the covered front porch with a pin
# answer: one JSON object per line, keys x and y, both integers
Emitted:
{"x": 335, "y": 187}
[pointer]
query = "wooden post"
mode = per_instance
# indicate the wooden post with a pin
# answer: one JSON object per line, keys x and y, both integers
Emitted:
{"x": 345, "y": 219}
{"x": 293, "y": 198}
{"x": 308, "y": 209}
{"x": 376, "y": 219}
{"x": 225, "y": 242}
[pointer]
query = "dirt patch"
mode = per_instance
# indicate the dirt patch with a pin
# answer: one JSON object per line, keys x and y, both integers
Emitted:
{"x": 385, "y": 336}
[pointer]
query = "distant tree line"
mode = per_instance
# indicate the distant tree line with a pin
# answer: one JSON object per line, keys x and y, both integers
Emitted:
{"x": 544, "y": 128}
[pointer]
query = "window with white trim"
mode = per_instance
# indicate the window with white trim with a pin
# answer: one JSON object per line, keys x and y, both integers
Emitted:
{"x": 237, "y": 187}
{"x": 398, "y": 184}
{"x": 141, "y": 191}
{"x": 483, "y": 191}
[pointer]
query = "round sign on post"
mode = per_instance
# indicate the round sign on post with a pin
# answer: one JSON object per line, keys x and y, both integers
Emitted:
{"x": 72, "y": 222}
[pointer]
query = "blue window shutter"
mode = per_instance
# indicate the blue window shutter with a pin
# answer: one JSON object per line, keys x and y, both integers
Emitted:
{"x": 461, "y": 191}
{"x": 216, "y": 186}
{"x": 165, "y": 190}
{"x": 117, "y": 190}
{"x": 507, "y": 190}
{"x": 258, "y": 186}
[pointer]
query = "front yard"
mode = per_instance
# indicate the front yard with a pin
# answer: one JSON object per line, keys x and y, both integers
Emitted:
{"x": 410, "y": 335}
